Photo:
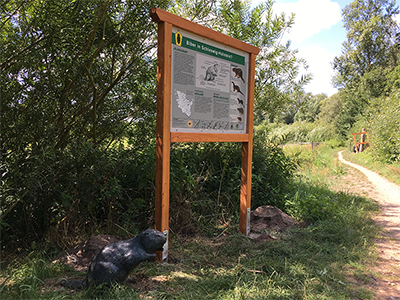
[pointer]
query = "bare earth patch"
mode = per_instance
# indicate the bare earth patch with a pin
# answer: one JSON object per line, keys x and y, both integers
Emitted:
{"x": 385, "y": 275}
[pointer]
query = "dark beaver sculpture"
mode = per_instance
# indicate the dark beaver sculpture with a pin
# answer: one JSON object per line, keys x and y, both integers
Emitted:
{"x": 114, "y": 262}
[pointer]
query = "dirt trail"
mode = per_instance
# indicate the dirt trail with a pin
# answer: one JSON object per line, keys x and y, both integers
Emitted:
{"x": 386, "y": 279}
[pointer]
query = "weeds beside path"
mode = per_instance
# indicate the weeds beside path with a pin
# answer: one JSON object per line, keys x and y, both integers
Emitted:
{"x": 328, "y": 258}
{"x": 386, "y": 273}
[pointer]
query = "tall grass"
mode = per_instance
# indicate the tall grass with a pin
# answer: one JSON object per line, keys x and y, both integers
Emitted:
{"x": 314, "y": 261}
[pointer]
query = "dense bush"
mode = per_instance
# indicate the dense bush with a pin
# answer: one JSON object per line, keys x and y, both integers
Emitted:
{"x": 73, "y": 77}
{"x": 384, "y": 125}
{"x": 205, "y": 181}
{"x": 66, "y": 192}
{"x": 297, "y": 132}
{"x": 72, "y": 191}
{"x": 272, "y": 173}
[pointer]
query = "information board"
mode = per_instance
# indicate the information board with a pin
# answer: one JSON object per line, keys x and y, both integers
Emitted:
{"x": 205, "y": 93}
{"x": 209, "y": 85}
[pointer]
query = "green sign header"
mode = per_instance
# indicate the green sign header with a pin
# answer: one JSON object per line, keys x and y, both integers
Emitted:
{"x": 178, "y": 39}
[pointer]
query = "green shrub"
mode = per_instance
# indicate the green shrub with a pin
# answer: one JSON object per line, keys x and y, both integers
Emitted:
{"x": 205, "y": 180}
{"x": 93, "y": 188}
{"x": 384, "y": 127}
{"x": 86, "y": 188}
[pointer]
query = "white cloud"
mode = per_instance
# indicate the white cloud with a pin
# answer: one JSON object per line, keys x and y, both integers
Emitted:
{"x": 397, "y": 18}
{"x": 318, "y": 59}
{"x": 311, "y": 16}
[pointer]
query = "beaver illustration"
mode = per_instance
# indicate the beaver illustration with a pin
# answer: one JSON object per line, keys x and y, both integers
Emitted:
{"x": 238, "y": 73}
{"x": 236, "y": 88}
{"x": 211, "y": 72}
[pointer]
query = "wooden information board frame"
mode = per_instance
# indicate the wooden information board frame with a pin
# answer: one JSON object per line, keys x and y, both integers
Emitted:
{"x": 365, "y": 133}
{"x": 164, "y": 137}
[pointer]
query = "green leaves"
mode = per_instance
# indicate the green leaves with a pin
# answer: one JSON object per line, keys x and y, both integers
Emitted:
{"x": 73, "y": 76}
{"x": 384, "y": 125}
{"x": 369, "y": 57}
{"x": 84, "y": 64}
{"x": 371, "y": 31}
{"x": 279, "y": 72}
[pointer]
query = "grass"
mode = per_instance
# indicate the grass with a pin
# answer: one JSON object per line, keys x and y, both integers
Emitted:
{"x": 321, "y": 260}
{"x": 365, "y": 159}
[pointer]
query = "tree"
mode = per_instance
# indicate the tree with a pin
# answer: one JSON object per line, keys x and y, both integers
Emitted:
{"x": 330, "y": 108}
{"x": 84, "y": 65}
{"x": 198, "y": 11}
{"x": 73, "y": 76}
{"x": 383, "y": 121}
{"x": 370, "y": 52}
{"x": 277, "y": 66}
{"x": 372, "y": 39}
{"x": 310, "y": 109}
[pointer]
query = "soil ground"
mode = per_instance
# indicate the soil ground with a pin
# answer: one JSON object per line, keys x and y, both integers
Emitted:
{"x": 385, "y": 274}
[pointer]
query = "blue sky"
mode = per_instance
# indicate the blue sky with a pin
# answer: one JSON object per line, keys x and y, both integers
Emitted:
{"x": 318, "y": 35}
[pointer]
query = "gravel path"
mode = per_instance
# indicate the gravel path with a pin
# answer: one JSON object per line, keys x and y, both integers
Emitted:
{"x": 390, "y": 190}
{"x": 386, "y": 284}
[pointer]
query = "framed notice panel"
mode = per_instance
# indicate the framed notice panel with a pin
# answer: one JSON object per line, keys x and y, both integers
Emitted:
{"x": 209, "y": 90}
{"x": 205, "y": 93}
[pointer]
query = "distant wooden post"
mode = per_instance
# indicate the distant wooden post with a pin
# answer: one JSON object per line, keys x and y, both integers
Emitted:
{"x": 197, "y": 50}
{"x": 363, "y": 142}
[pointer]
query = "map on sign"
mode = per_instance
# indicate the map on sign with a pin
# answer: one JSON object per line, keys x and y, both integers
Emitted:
{"x": 209, "y": 86}
{"x": 184, "y": 104}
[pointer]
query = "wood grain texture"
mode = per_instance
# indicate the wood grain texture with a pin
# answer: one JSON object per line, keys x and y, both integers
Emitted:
{"x": 163, "y": 142}
{"x": 164, "y": 138}
{"x": 247, "y": 153}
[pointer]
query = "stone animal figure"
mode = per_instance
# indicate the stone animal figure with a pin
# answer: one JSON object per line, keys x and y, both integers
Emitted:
{"x": 211, "y": 72}
{"x": 236, "y": 88}
{"x": 238, "y": 73}
{"x": 113, "y": 263}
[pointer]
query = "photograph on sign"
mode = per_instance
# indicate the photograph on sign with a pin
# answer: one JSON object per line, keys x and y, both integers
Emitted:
{"x": 209, "y": 85}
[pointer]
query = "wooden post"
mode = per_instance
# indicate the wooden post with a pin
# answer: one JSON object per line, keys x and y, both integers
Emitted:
{"x": 247, "y": 156}
{"x": 163, "y": 139}
{"x": 355, "y": 142}
{"x": 363, "y": 142}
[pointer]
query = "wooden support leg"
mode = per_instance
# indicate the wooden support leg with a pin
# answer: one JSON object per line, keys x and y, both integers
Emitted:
{"x": 245, "y": 188}
{"x": 163, "y": 141}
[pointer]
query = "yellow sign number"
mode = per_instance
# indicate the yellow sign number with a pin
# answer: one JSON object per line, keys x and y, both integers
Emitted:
{"x": 178, "y": 38}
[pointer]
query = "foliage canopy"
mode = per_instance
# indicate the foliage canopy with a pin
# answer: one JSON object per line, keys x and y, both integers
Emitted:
{"x": 365, "y": 72}
{"x": 78, "y": 105}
